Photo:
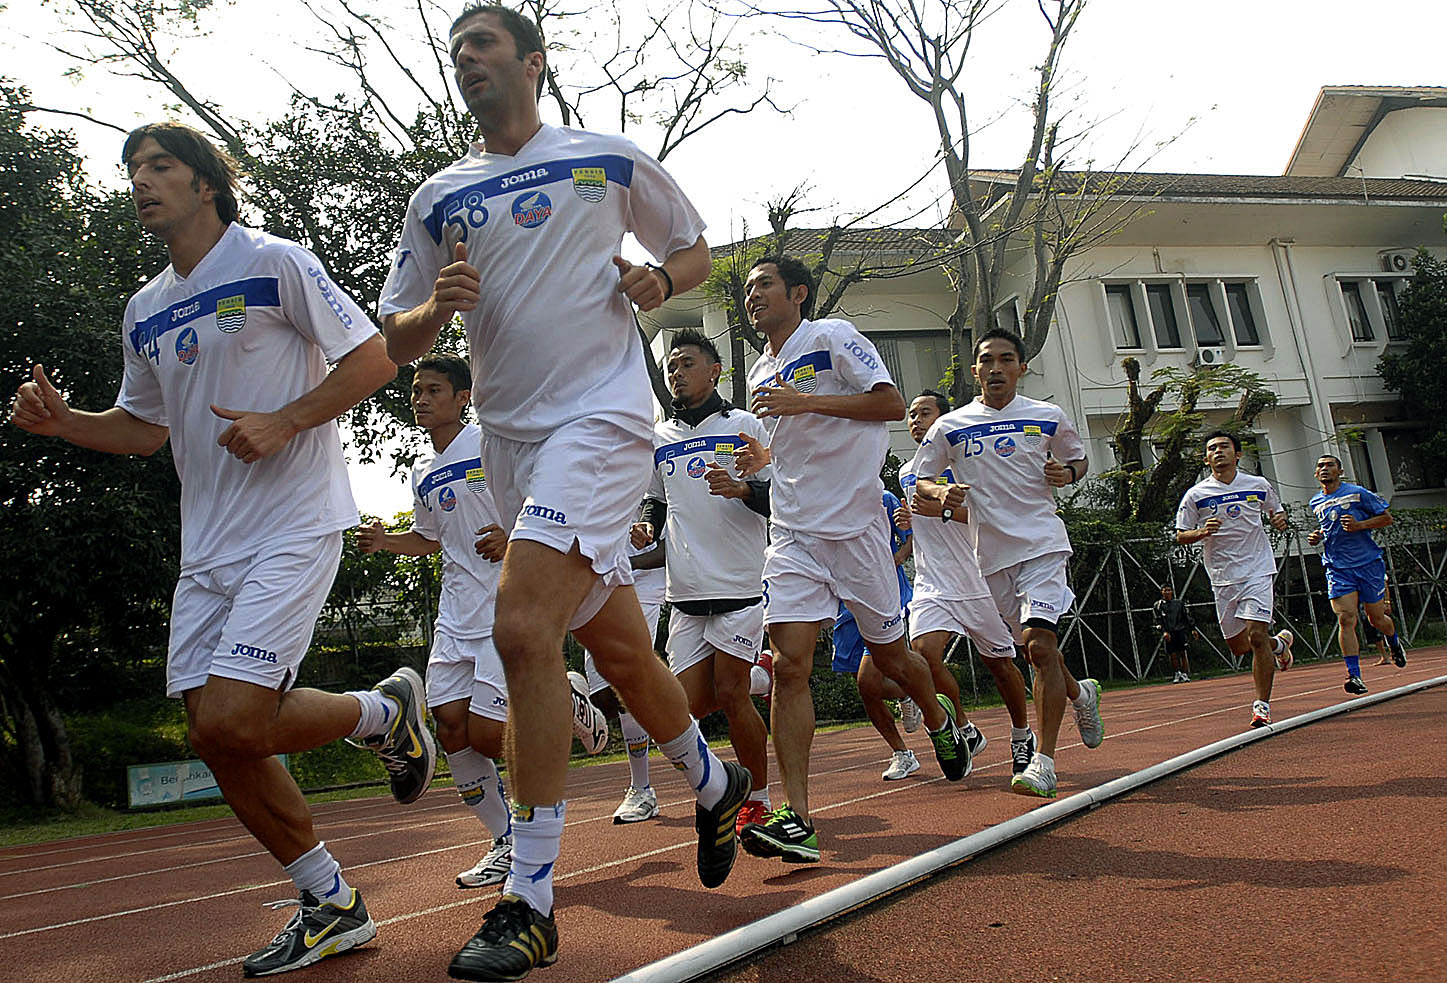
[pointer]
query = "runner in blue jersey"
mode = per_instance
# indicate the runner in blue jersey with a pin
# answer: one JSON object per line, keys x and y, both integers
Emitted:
{"x": 1355, "y": 570}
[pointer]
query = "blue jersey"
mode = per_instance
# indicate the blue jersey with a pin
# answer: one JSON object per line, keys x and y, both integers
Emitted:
{"x": 1340, "y": 548}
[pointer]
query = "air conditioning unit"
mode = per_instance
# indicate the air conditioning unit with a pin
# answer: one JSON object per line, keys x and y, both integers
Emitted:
{"x": 1206, "y": 357}
{"x": 1396, "y": 260}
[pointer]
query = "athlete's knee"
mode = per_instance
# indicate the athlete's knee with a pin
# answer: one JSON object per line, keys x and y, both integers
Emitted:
{"x": 1347, "y": 620}
{"x": 1042, "y": 652}
{"x": 452, "y": 734}
{"x": 871, "y": 683}
{"x": 1257, "y": 634}
{"x": 485, "y": 736}
{"x": 520, "y": 638}
{"x": 792, "y": 669}
{"x": 216, "y": 738}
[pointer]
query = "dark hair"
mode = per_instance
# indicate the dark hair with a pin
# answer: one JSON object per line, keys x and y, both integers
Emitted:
{"x": 451, "y": 366}
{"x": 1004, "y": 333}
{"x": 794, "y": 274}
{"x": 209, "y": 162}
{"x": 1235, "y": 440}
{"x": 526, "y": 36}
{"x": 696, "y": 338}
{"x": 941, "y": 400}
{"x": 1330, "y": 457}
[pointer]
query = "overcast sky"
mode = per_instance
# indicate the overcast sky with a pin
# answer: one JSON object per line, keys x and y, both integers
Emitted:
{"x": 1232, "y": 81}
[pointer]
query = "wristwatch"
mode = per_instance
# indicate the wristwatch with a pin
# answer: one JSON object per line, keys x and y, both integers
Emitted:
{"x": 946, "y": 514}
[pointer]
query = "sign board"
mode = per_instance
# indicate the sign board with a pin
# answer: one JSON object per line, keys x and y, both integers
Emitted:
{"x": 171, "y": 781}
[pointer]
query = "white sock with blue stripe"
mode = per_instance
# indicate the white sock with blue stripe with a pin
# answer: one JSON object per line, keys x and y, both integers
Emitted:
{"x": 475, "y": 776}
{"x": 537, "y": 833}
{"x": 317, "y": 871}
{"x": 704, "y": 771}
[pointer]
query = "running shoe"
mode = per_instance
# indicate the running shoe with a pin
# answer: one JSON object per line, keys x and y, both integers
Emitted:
{"x": 761, "y": 675}
{"x": 512, "y": 941}
{"x": 902, "y": 765}
{"x": 588, "y": 721}
{"x": 1176, "y": 678}
{"x": 1398, "y": 650}
{"x": 493, "y": 868}
{"x": 1283, "y": 658}
{"x": 1185, "y": 678}
{"x": 952, "y": 751}
{"x": 752, "y": 811}
{"x": 1087, "y": 717}
{"x": 1020, "y": 754}
{"x": 976, "y": 739}
{"x": 1038, "y": 779}
{"x": 784, "y": 835}
{"x": 638, "y": 805}
{"x": 316, "y": 931}
{"x": 717, "y": 844}
{"x": 1355, "y": 686}
{"x": 1260, "y": 713}
{"x": 406, "y": 748}
{"x": 910, "y": 715}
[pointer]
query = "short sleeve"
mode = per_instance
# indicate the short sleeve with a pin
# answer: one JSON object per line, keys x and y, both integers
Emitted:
{"x": 933, "y": 458}
{"x": 855, "y": 358}
{"x": 1374, "y": 503}
{"x": 415, "y": 264}
{"x": 140, "y": 393}
{"x": 1065, "y": 444}
{"x": 660, "y": 216}
{"x": 1187, "y": 514}
{"x": 1273, "y": 500}
{"x": 424, "y": 520}
{"x": 319, "y": 310}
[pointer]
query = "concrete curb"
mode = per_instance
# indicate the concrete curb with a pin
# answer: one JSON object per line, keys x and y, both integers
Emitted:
{"x": 784, "y": 927}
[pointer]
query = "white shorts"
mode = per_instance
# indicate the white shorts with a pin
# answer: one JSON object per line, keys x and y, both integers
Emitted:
{"x": 251, "y": 619}
{"x": 582, "y": 484}
{"x": 651, "y": 614}
{"x": 467, "y": 669}
{"x": 1237, "y": 604}
{"x": 976, "y": 616}
{"x": 1032, "y": 589}
{"x": 694, "y": 637}
{"x": 806, "y": 577}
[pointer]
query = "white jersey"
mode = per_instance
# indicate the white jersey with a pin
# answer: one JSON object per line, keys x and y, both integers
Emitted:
{"x": 251, "y": 328}
{"x": 650, "y": 585}
{"x": 450, "y": 503}
{"x": 1001, "y": 455}
{"x": 552, "y": 340}
{"x": 1240, "y": 550}
{"x": 826, "y": 469}
{"x": 945, "y": 565}
{"x": 715, "y": 545}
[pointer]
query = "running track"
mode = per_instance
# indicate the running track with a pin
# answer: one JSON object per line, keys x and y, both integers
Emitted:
{"x": 184, "y": 902}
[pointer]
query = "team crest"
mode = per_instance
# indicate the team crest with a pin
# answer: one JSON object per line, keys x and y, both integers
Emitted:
{"x": 804, "y": 379}
{"x": 590, "y": 183}
{"x": 476, "y": 480}
{"x": 696, "y": 467}
{"x": 723, "y": 455}
{"x": 188, "y": 346}
{"x": 1233, "y": 510}
{"x": 1033, "y": 435}
{"x": 231, "y": 313}
{"x": 1005, "y": 446}
{"x": 447, "y": 498}
{"x": 531, "y": 210}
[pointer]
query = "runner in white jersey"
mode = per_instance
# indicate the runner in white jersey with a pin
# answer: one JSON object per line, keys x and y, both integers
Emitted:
{"x": 226, "y": 356}
{"x": 1224, "y": 513}
{"x": 522, "y": 237}
{"x": 717, "y": 528}
{"x": 950, "y": 594}
{"x": 1011, "y": 452}
{"x": 824, "y": 396}
{"x": 452, "y": 513}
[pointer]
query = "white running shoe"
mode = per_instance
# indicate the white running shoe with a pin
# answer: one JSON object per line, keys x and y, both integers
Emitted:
{"x": 1037, "y": 779}
{"x": 638, "y": 805}
{"x": 1087, "y": 717}
{"x": 588, "y": 721}
{"x": 910, "y": 714}
{"x": 493, "y": 868}
{"x": 1283, "y": 658}
{"x": 902, "y": 765}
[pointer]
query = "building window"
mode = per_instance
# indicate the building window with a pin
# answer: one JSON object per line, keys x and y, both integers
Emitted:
{"x": 1163, "y": 315}
{"x": 1391, "y": 314}
{"x": 1204, "y": 322}
{"x": 1408, "y": 474}
{"x": 1008, "y": 318}
{"x": 1361, "y": 325}
{"x": 1361, "y": 464}
{"x": 1243, "y": 322}
{"x": 1121, "y": 308}
{"x": 915, "y": 359}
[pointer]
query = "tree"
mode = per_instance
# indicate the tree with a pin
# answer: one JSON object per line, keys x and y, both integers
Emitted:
{"x": 70, "y": 631}
{"x": 1418, "y": 369}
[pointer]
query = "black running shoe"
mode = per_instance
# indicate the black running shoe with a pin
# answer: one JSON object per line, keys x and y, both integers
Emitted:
{"x": 716, "y": 844}
{"x": 1399, "y": 651}
{"x": 952, "y": 750}
{"x": 1355, "y": 686}
{"x": 513, "y": 939}
{"x": 316, "y": 931}
{"x": 784, "y": 835}
{"x": 406, "y": 749}
{"x": 1020, "y": 754}
{"x": 976, "y": 739}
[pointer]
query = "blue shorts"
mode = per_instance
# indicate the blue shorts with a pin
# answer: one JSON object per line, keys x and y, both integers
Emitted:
{"x": 1368, "y": 581}
{"x": 848, "y": 645}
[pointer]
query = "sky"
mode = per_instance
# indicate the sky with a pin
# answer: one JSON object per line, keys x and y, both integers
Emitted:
{"x": 1219, "y": 87}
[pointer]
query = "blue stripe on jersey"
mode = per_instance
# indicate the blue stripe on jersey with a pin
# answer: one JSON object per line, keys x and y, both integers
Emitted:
{"x": 1228, "y": 497}
{"x": 693, "y": 444}
{"x": 442, "y": 476}
{"x": 980, "y": 430}
{"x": 260, "y": 291}
{"x": 618, "y": 169}
{"x": 819, "y": 361}
{"x": 908, "y": 480}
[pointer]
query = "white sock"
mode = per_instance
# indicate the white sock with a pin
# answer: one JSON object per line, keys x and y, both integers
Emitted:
{"x": 537, "y": 832}
{"x": 1082, "y": 698}
{"x": 477, "y": 781}
{"x": 1020, "y": 733}
{"x": 1277, "y": 645}
{"x": 704, "y": 771}
{"x": 317, "y": 871}
{"x": 761, "y": 796}
{"x": 637, "y": 740}
{"x": 376, "y": 713}
{"x": 759, "y": 681}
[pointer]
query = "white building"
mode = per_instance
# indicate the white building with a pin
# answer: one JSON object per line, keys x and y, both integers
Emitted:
{"x": 1294, "y": 276}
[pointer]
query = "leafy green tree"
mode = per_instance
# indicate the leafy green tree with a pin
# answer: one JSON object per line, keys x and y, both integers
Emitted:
{"x": 90, "y": 541}
{"x": 1418, "y": 369}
